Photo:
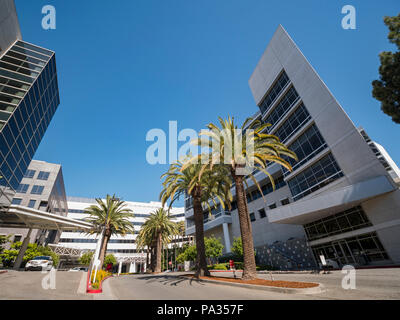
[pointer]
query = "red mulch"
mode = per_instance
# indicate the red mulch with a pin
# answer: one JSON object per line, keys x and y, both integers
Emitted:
{"x": 263, "y": 282}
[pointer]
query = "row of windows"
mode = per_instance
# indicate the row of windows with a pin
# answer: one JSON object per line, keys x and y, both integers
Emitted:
{"x": 18, "y": 201}
{"x": 95, "y": 240}
{"x": 276, "y": 89}
{"x": 23, "y": 188}
{"x": 361, "y": 250}
{"x": 282, "y": 108}
{"x": 27, "y": 126}
{"x": 265, "y": 188}
{"x": 261, "y": 214}
{"x": 296, "y": 120}
{"x": 43, "y": 175}
{"x": 315, "y": 177}
{"x": 305, "y": 147}
{"x": 351, "y": 219}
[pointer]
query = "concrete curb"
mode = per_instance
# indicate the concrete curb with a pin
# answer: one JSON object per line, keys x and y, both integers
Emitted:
{"x": 3, "y": 271}
{"x": 313, "y": 290}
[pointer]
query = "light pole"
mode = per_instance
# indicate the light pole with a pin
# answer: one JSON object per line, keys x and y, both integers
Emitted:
{"x": 98, "y": 249}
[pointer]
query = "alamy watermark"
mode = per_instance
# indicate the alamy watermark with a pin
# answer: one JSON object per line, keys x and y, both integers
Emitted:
{"x": 238, "y": 146}
{"x": 49, "y": 280}
{"x": 349, "y": 280}
{"x": 349, "y": 20}
{"x": 49, "y": 20}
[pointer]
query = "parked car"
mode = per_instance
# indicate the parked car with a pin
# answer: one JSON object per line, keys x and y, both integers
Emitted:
{"x": 39, "y": 263}
{"x": 76, "y": 269}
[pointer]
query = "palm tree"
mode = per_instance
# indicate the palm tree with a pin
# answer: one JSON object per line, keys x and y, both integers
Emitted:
{"x": 145, "y": 241}
{"x": 158, "y": 229}
{"x": 211, "y": 185}
{"x": 242, "y": 154}
{"x": 110, "y": 216}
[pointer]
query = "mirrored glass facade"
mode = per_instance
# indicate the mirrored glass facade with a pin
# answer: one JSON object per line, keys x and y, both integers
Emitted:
{"x": 29, "y": 98}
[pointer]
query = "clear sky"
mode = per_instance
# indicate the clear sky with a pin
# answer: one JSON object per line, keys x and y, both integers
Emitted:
{"x": 127, "y": 66}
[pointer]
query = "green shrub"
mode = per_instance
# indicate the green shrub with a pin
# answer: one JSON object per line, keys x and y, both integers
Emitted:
{"x": 110, "y": 258}
{"x": 219, "y": 266}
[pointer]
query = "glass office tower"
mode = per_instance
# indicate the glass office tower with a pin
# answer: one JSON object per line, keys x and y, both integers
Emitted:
{"x": 29, "y": 98}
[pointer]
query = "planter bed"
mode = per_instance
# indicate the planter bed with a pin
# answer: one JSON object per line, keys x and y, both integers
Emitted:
{"x": 262, "y": 282}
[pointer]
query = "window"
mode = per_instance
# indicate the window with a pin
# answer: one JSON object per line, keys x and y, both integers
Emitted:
{"x": 29, "y": 174}
{"x": 31, "y": 203}
{"x": 283, "y": 107}
{"x": 43, "y": 175}
{"x": 276, "y": 89}
{"x": 252, "y": 217}
{"x": 37, "y": 189}
{"x": 16, "y": 201}
{"x": 17, "y": 238}
{"x": 23, "y": 188}
{"x": 344, "y": 221}
{"x": 305, "y": 147}
{"x": 262, "y": 214}
{"x": 293, "y": 123}
{"x": 315, "y": 177}
{"x": 285, "y": 201}
{"x": 272, "y": 206}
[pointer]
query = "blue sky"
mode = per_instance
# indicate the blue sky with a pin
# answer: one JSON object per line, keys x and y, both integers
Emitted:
{"x": 125, "y": 67}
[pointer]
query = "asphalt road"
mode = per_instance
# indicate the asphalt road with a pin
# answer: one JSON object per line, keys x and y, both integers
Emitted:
{"x": 370, "y": 284}
{"x": 170, "y": 287}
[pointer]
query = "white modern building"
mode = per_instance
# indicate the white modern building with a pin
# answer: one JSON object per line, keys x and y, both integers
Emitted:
{"x": 123, "y": 248}
{"x": 342, "y": 199}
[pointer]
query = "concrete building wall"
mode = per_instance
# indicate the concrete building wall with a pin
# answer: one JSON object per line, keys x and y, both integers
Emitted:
{"x": 384, "y": 213}
{"x": 52, "y": 199}
{"x": 9, "y": 25}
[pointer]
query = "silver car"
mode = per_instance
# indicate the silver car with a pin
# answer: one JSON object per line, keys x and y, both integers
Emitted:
{"x": 39, "y": 263}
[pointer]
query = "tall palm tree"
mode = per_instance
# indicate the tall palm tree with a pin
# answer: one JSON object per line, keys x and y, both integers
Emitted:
{"x": 113, "y": 217}
{"x": 210, "y": 186}
{"x": 145, "y": 241}
{"x": 159, "y": 227}
{"x": 242, "y": 151}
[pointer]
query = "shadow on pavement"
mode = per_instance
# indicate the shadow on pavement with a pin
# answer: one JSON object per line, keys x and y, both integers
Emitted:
{"x": 172, "y": 280}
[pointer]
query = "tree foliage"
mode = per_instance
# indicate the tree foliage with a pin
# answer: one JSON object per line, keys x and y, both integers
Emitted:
{"x": 110, "y": 258}
{"x": 237, "y": 247}
{"x": 86, "y": 258}
{"x": 387, "y": 88}
{"x": 33, "y": 250}
{"x": 213, "y": 249}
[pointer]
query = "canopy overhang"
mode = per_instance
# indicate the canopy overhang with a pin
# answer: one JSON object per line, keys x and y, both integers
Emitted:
{"x": 23, "y": 217}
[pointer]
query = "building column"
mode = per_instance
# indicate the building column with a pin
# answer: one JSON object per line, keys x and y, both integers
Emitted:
{"x": 226, "y": 237}
{"x": 144, "y": 268}
{"x": 119, "y": 267}
{"x": 18, "y": 260}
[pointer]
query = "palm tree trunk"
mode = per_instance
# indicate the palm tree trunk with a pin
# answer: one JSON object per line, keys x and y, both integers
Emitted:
{"x": 103, "y": 249}
{"x": 158, "y": 253}
{"x": 249, "y": 261}
{"x": 201, "y": 263}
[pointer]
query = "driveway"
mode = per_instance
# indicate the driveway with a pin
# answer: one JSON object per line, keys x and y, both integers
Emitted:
{"x": 28, "y": 285}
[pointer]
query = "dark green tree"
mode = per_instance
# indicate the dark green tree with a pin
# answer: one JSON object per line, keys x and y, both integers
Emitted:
{"x": 86, "y": 258}
{"x": 387, "y": 88}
